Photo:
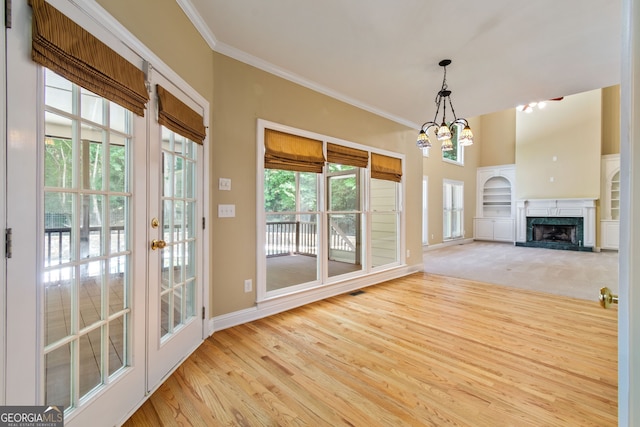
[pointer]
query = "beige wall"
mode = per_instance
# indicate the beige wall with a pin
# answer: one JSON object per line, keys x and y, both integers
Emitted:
{"x": 558, "y": 149}
{"x": 498, "y": 138}
{"x": 242, "y": 95}
{"x": 611, "y": 120}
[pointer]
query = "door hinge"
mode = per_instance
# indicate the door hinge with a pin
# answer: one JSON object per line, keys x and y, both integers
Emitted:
{"x": 203, "y": 223}
{"x": 8, "y": 233}
{"x": 202, "y": 313}
{"x": 7, "y": 13}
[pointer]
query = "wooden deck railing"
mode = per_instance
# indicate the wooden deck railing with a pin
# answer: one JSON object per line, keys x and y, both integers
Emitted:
{"x": 299, "y": 237}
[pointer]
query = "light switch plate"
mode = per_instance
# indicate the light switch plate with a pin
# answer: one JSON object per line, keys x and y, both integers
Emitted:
{"x": 226, "y": 211}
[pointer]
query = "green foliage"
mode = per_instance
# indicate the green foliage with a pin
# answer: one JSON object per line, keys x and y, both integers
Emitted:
{"x": 279, "y": 190}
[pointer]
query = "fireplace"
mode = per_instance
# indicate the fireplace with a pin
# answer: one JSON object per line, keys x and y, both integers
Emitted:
{"x": 556, "y": 224}
{"x": 555, "y": 233}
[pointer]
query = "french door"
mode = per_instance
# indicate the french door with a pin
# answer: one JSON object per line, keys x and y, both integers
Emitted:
{"x": 175, "y": 260}
{"x": 98, "y": 316}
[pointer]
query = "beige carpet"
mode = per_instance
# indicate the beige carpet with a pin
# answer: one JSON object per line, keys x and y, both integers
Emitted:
{"x": 569, "y": 273}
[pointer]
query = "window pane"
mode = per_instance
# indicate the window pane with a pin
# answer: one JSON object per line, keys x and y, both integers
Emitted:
{"x": 308, "y": 191}
{"x": 91, "y": 106}
{"x": 343, "y": 193}
{"x": 58, "y": 92}
{"x": 117, "y": 357}
{"x": 58, "y": 158}
{"x": 116, "y": 285}
{"x": 91, "y": 231}
{"x": 384, "y": 238}
{"x": 279, "y": 191}
{"x": 345, "y": 246}
{"x": 117, "y": 212}
{"x": 293, "y": 249}
{"x": 90, "y": 361}
{"x": 118, "y": 176}
{"x": 119, "y": 118}
{"x": 383, "y": 195}
{"x": 58, "y": 232}
{"x": 90, "y": 294}
{"x": 57, "y": 303}
{"x": 57, "y": 376}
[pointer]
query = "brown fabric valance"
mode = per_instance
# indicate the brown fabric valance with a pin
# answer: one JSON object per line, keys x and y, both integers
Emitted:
{"x": 68, "y": 49}
{"x": 179, "y": 117}
{"x": 347, "y": 156}
{"x": 385, "y": 167}
{"x": 292, "y": 152}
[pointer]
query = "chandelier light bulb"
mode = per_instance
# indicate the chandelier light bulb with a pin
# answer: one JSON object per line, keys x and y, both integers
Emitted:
{"x": 423, "y": 140}
{"x": 444, "y": 132}
{"x": 466, "y": 136}
{"x": 447, "y": 145}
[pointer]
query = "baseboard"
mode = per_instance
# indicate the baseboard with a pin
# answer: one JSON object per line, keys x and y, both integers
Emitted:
{"x": 277, "y": 305}
{"x": 445, "y": 244}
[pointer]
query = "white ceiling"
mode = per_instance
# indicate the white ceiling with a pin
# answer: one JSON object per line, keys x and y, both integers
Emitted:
{"x": 382, "y": 55}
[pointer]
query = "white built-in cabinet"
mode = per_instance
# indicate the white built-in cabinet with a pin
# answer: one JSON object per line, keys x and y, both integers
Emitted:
{"x": 495, "y": 204}
{"x": 610, "y": 202}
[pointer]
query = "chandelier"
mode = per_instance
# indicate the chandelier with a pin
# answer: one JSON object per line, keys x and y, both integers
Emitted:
{"x": 445, "y": 131}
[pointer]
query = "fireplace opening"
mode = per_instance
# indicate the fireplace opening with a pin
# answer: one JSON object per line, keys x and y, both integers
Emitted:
{"x": 555, "y": 233}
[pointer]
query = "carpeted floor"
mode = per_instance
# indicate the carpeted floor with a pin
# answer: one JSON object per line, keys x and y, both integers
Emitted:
{"x": 569, "y": 273}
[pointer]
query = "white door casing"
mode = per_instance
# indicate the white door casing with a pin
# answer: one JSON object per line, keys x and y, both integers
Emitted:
{"x": 629, "y": 253}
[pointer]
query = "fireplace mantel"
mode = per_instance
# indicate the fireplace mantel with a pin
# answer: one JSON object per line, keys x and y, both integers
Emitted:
{"x": 581, "y": 208}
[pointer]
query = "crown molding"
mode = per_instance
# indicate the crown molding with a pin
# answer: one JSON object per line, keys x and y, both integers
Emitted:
{"x": 239, "y": 55}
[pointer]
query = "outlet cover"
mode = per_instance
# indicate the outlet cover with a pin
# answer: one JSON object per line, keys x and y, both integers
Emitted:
{"x": 224, "y": 184}
{"x": 248, "y": 285}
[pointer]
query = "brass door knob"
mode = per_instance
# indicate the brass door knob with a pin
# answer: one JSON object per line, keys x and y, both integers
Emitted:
{"x": 158, "y": 244}
{"x": 607, "y": 298}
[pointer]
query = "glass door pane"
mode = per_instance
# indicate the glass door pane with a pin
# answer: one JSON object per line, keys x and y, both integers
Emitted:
{"x": 86, "y": 242}
{"x": 178, "y": 272}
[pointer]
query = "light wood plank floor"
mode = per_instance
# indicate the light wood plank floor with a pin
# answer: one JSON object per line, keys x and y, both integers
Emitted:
{"x": 422, "y": 350}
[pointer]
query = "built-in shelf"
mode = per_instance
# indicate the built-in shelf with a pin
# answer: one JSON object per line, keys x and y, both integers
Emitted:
{"x": 495, "y": 208}
{"x": 610, "y": 205}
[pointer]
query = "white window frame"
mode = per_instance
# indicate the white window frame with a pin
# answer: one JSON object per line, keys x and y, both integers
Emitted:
{"x": 261, "y": 281}
{"x": 448, "y": 195}
{"x": 459, "y": 148}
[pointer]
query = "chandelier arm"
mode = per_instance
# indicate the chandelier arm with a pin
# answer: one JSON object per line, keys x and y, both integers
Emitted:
{"x": 455, "y": 119}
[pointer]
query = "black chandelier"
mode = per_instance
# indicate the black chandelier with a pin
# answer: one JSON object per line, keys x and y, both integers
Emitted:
{"x": 444, "y": 130}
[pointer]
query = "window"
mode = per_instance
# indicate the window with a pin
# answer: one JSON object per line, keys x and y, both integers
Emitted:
{"x": 319, "y": 226}
{"x": 453, "y": 213}
{"x": 425, "y": 211}
{"x": 455, "y": 155}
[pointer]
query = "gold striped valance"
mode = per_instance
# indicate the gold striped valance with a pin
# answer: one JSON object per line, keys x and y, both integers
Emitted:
{"x": 292, "y": 152}
{"x": 177, "y": 116}
{"x": 347, "y": 156}
{"x": 68, "y": 49}
{"x": 385, "y": 167}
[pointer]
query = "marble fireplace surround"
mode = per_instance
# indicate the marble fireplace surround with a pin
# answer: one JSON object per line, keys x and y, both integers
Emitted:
{"x": 557, "y": 208}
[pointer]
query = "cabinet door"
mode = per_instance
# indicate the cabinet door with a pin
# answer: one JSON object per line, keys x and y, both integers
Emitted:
{"x": 483, "y": 229}
{"x": 503, "y": 230}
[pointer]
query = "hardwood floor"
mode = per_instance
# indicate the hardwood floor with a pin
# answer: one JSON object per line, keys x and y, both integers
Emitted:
{"x": 421, "y": 350}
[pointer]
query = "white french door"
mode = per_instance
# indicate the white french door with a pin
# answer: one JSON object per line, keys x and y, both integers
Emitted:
{"x": 97, "y": 317}
{"x": 176, "y": 178}
{"x": 76, "y": 278}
